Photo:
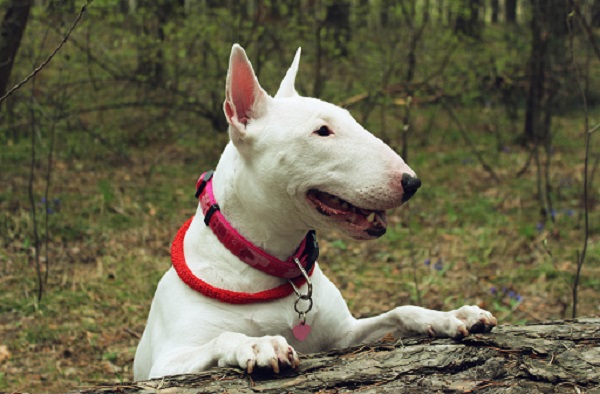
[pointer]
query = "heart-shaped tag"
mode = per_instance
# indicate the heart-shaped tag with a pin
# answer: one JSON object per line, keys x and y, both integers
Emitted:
{"x": 301, "y": 331}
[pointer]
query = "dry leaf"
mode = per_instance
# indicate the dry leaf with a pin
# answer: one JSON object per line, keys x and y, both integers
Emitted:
{"x": 4, "y": 353}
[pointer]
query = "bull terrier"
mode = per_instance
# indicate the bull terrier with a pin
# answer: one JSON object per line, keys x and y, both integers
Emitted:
{"x": 245, "y": 289}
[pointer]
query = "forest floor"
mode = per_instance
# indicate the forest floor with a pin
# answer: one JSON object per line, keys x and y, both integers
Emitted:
{"x": 463, "y": 239}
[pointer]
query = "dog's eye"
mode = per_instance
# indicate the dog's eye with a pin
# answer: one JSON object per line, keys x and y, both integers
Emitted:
{"x": 323, "y": 131}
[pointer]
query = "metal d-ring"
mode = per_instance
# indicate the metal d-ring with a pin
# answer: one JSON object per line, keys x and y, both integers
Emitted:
{"x": 305, "y": 297}
{"x": 310, "y": 305}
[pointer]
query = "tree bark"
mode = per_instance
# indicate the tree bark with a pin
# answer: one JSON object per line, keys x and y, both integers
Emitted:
{"x": 553, "y": 357}
{"x": 11, "y": 32}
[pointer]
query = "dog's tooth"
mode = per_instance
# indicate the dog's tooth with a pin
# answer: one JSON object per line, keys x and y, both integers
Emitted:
{"x": 371, "y": 217}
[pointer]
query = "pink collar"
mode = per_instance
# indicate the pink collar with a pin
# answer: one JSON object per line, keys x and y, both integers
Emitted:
{"x": 250, "y": 254}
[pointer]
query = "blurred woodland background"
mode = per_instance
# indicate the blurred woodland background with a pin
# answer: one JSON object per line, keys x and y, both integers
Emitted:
{"x": 494, "y": 103}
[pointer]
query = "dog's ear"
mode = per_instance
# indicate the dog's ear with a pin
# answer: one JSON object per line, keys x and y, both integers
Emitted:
{"x": 287, "y": 89}
{"x": 244, "y": 98}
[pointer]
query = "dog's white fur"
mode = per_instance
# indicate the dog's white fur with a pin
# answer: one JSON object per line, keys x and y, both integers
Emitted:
{"x": 261, "y": 184}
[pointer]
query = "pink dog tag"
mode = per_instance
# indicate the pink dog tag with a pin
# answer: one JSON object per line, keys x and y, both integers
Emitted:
{"x": 301, "y": 331}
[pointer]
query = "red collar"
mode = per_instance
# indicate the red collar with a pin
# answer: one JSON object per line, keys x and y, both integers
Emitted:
{"x": 307, "y": 254}
{"x": 228, "y": 296}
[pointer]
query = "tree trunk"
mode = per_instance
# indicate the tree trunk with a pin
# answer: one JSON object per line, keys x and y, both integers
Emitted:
{"x": 495, "y": 5}
{"x": 551, "y": 357}
{"x": 440, "y": 11}
{"x": 467, "y": 21}
{"x": 538, "y": 66}
{"x": 11, "y": 32}
{"x": 510, "y": 11}
{"x": 546, "y": 66}
{"x": 337, "y": 24}
{"x": 154, "y": 16}
{"x": 595, "y": 14}
{"x": 384, "y": 16}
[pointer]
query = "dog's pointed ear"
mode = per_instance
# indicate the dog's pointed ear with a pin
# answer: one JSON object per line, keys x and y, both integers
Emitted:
{"x": 287, "y": 89}
{"x": 244, "y": 97}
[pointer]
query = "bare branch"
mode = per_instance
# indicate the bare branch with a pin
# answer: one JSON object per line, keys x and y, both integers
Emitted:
{"x": 49, "y": 58}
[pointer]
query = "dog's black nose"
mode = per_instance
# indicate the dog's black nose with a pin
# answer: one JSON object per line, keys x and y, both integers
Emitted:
{"x": 410, "y": 185}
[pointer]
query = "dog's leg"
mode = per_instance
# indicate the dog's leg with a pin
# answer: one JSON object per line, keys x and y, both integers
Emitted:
{"x": 229, "y": 349}
{"x": 413, "y": 320}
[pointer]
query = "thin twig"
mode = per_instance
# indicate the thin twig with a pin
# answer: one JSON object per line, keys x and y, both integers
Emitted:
{"x": 46, "y": 191}
{"x": 576, "y": 9}
{"x": 49, "y": 179}
{"x": 36, "y": 238}
{"x": 527, "y": 162}
{"x": 588, "y": 137}
{"x": 49, "y": 58}
{"x": 415, "y": 33}
{"x": 46, "y": 199}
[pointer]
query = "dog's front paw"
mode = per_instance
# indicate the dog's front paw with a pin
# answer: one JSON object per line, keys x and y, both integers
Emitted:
{"x": 459, "y": 323}
{"x": 271, "y": 352}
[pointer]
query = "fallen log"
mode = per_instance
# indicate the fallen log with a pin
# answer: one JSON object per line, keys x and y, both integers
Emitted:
{"x": 553, "y": 357}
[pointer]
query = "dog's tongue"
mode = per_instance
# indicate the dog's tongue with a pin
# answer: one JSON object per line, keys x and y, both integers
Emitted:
{"x": 330, "y": 204}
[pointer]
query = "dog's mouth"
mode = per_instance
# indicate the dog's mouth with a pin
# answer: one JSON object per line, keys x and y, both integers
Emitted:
{"x": 361, "y": 223}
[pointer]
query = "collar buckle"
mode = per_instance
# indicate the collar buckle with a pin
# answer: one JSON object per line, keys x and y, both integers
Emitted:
{"x": 202, "y": 181}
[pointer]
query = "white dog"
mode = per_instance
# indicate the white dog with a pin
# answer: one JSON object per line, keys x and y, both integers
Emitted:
{"x": 245, "y": 289}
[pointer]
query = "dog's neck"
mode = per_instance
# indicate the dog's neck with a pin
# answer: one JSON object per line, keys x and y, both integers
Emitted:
{"x": 261, "y": 218}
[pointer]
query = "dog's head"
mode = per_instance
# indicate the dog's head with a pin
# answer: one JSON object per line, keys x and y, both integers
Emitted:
{"x": 312, "y": 159}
